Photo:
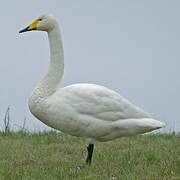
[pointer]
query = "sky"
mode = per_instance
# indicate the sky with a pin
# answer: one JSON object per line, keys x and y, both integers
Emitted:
{"x": 130, "y": 46}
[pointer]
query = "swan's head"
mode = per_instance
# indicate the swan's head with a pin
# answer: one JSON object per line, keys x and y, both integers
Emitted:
{"x": 45, "y": 22}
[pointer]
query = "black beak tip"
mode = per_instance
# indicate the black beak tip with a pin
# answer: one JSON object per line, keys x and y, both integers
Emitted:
{"x": 24, "y": 30}
{"x": 21, "y": 31}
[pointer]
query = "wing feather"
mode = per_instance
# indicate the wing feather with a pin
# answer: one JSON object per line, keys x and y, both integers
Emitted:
{"x": 99, "y": 102}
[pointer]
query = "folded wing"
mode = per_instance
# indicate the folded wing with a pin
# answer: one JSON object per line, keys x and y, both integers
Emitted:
{"x": 99, "y": 102}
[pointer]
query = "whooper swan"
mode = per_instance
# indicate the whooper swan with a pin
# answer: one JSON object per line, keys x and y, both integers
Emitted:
{"x": 87, "y": 110}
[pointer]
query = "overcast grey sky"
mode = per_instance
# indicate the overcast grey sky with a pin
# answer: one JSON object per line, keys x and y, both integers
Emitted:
{"x": 129, "y": 46}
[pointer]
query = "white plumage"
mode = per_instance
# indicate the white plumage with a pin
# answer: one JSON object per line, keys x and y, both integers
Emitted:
{"x": 87, "y": 110}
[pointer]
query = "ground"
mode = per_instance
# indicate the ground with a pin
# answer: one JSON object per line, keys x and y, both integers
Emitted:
{"x": 52, "y": 155}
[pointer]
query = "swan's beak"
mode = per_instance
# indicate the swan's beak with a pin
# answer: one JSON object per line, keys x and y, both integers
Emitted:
{"x": 31, "y": 27}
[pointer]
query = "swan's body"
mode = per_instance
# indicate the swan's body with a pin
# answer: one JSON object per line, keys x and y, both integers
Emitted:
{"x": 92, "y": 111}
{"x": 85, "y": 110}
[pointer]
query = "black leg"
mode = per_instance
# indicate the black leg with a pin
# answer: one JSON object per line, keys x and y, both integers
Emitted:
{"x": 90, "y": 149}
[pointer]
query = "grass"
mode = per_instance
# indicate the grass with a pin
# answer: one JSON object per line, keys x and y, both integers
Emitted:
{"x": 51, "y": 156}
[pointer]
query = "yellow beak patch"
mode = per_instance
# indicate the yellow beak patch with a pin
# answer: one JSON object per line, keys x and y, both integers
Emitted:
{"x": 31, "y": 27}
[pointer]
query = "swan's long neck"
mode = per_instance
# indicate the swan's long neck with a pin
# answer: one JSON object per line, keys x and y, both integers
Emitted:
{"x": 56, "y": 67}
{"x": 47, "y": 86}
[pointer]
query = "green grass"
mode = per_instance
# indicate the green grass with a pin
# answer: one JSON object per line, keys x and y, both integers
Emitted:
{"x": 56, "y": 156}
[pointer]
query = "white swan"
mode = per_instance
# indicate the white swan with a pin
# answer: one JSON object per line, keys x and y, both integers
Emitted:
{"x": 87, "y": 110}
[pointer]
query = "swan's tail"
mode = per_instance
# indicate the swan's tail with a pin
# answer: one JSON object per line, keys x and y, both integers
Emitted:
{"x": 138, "y": 126}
